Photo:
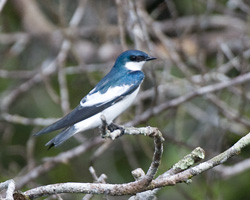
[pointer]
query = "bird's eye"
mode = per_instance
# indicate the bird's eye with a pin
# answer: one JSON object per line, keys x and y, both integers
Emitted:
{"x": 133, "y": 58}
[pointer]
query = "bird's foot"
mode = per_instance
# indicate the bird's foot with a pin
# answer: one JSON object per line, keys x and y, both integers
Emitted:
{"x": 112, "y": 127}
{"x": 112, "y": 130}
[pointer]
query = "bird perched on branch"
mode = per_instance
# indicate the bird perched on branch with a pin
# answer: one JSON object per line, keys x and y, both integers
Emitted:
{"x": 111, "y": 96}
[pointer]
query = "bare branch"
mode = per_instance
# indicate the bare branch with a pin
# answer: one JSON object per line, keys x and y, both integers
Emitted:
{"x": 50, "y": 163}
{"x": 179, "y": 100}
{"x": 10, "y": 185}
{"x": 189, "y": 160}
{"x": 97, "y": 179}
{"x": 139, "y": 185}
{"x": 143, "y": 181}
{"x": 228, "y": 171}
{"x": 217, "y": 160}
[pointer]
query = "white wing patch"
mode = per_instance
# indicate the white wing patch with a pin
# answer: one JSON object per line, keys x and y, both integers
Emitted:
{"x": 135, "y": 66}
{"x": 110, "y": 94}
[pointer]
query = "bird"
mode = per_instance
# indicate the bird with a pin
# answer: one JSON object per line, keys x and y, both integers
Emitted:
{"x": 110, "y": 97}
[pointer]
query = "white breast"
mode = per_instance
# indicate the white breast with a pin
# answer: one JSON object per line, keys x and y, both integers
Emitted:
{"x": 110, "y": 113}
{"x": 115, "y": 110}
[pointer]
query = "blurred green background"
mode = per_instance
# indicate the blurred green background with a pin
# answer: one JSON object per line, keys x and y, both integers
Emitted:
{"x": 51, "y": 56}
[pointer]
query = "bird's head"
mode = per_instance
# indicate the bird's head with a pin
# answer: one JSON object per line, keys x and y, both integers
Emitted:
{"x": 133, "y": 60}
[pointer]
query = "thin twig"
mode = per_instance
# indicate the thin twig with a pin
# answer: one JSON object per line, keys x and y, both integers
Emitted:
{"x": 97, "y": 179}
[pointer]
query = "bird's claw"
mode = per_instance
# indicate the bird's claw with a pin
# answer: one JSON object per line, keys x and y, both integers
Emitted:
{"x": 112, "y": 127}
{"x": 112, "y": 130}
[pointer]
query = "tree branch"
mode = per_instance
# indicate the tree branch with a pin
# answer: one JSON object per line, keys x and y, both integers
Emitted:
{"x": 141, "y": 184}
{"x": 10, "y": 185}
{"x": 52, "y": 162}
{"x": 179, "y": 100}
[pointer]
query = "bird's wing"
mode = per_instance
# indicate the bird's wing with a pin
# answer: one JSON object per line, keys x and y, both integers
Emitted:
{"x": 95, "y": 102}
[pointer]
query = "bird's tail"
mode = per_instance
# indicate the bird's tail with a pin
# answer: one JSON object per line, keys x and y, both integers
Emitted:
{"x": 62, "y": 137}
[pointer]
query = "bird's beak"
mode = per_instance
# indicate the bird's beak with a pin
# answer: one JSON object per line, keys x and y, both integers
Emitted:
{"x": 150, "y": 58}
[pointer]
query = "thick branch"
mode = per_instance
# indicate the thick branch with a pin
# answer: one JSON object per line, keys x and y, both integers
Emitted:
{"x": 10, "y": 186}
{"x": 135, "y": 187}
